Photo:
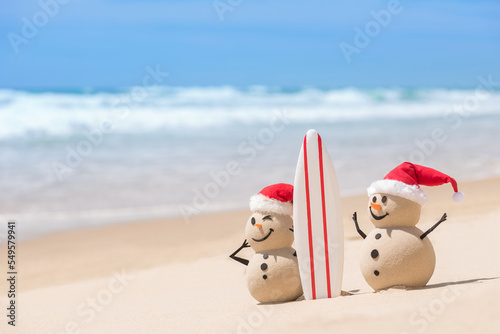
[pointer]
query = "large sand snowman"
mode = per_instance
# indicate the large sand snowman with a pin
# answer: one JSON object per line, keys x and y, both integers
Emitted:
{"x": 396, "y": 252}
{"x": 273, "y": 272}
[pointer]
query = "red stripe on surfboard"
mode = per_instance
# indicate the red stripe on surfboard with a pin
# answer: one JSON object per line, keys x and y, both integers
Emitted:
{"x": 309, "y": 227}
{"x": 323, "y": 205}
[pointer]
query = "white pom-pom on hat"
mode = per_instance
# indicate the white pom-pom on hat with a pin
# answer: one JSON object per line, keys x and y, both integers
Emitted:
{"x": 458, "y": 196}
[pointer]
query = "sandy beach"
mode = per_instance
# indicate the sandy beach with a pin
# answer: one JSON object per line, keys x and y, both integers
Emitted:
{"x": 140, "y": 139}
{"x": 175, "y": 276}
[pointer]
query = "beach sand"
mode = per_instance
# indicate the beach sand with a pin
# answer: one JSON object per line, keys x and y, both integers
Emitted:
{"x": 175, "y": 276}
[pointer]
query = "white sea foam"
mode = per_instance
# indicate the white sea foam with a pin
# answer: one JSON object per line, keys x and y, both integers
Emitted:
{"x": 174, "y": 108}
{"x": 161, "y": 151}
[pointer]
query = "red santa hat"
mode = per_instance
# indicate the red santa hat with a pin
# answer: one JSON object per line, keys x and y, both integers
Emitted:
{"x": 276, "y": 198}
{"x": 405, "y": 180}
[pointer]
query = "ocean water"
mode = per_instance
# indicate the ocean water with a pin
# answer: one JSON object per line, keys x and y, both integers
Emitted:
{"x": 85, "y": 158}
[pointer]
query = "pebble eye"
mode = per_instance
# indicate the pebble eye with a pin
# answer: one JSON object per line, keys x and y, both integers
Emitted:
{"x": 384, "y": 199}
{"x": 374, "y": 199}
{"x": 253, "y": 221}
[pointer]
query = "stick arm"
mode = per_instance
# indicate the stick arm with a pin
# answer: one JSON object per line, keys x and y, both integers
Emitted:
{"x": 239, "y": 259}
{"x": 355, "y": 218}
{"x": 443, "y": 218}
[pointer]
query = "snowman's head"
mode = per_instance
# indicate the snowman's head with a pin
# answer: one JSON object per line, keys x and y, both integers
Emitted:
{"x": 387, "y": 210}
{"x": 266, "y": 231}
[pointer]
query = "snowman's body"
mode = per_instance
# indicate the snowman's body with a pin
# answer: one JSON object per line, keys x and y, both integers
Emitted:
{"x": 392, "y": 256}
{"x": 394, "y": 253}
{"x": 273, "y": 271}
{"x": 273, "y": 275}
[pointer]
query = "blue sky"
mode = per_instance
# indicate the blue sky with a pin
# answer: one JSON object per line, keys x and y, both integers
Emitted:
{"x": 109, "y": 43}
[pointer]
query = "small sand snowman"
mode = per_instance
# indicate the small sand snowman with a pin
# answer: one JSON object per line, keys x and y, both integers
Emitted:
{"x": 396, "y": 252}
{"x": 273, "y": 272}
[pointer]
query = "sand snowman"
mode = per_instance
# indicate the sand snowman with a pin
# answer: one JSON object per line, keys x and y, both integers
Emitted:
{"x": 273, "y": 272}
{"x": 396, "y": 252}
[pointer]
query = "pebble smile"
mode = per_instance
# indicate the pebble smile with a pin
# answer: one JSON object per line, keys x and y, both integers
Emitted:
{"x": 267, "y": 236}
{"x": 378, "y": 217}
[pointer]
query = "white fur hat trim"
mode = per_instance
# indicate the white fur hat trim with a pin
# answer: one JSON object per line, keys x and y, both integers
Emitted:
{"x": 398, "y": 188}
{"x": 264, "y": 204}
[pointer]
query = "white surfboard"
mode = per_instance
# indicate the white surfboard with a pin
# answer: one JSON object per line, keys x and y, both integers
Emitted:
{"x": 317, "y": 220}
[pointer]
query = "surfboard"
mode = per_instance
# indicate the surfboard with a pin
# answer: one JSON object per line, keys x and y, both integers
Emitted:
{"x": 317, "y": 220}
